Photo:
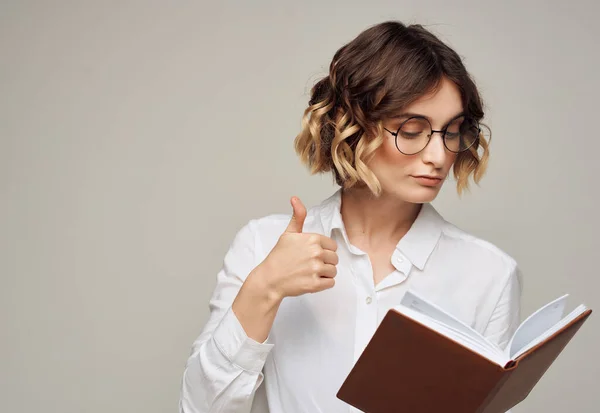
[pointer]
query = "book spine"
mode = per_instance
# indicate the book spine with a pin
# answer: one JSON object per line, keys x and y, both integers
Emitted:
{"x": 492, "y": 394}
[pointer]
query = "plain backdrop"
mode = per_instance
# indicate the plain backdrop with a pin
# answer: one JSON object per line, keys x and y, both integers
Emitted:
{"x": 136, "y": 138}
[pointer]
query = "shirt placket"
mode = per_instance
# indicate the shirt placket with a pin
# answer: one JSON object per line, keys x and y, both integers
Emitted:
{"x": 366, "y": 305}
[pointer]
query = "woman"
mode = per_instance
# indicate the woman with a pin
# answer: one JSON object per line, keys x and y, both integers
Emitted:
{"x": 299, "y": 297}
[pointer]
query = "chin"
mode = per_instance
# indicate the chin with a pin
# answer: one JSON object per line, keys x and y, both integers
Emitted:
{"x": 424, "y": 197}
{"x": 417, "y": 194}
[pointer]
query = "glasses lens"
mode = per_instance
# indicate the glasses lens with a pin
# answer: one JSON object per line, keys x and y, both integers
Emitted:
{"x": 413, "y": 135}
{"x": 461, "y": 134}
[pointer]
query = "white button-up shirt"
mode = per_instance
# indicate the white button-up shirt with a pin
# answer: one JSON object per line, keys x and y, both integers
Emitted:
{"x": 316, "y": 338}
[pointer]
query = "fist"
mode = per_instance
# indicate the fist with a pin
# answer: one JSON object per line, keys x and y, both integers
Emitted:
{"x": 300, "y": 262}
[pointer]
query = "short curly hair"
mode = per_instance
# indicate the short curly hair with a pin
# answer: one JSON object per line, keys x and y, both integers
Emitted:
{"x": 384, "y": 69}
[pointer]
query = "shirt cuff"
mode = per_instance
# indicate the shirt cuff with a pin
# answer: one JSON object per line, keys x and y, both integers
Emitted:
{"x": 240, "y": 349}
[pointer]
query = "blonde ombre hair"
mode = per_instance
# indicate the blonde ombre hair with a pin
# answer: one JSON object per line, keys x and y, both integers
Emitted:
{"x": 384, "y": 69}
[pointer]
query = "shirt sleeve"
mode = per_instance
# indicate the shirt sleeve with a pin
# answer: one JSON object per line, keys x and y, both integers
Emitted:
{"x": 225, "y": 366}
{"x": 507, "y": 314}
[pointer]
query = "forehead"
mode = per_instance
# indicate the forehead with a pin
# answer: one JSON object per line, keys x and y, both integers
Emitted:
{"x": 440, "y": 105}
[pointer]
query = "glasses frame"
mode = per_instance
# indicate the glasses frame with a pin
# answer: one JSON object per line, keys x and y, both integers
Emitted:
{"x": 441, "y": 131}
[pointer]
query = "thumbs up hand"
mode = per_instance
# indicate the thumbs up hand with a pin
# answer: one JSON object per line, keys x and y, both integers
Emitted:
{"x": 300, "y": 262}
{"x": 298, "y": 216}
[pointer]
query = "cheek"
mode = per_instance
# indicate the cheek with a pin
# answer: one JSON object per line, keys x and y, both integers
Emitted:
{"x": 388, "y": 161}
{"x": 389, "y": 154}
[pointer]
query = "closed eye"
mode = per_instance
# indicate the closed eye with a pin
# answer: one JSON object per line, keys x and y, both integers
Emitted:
{"x": 411, "y": 135}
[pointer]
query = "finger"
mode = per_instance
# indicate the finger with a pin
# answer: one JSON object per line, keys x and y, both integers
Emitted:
{"x": 298, "y": 216}
{"x": 329, "y": 257}
{"x": 328, "y": 271}
{"x": 328, "y": 243}
{"x": 324, "y": 284}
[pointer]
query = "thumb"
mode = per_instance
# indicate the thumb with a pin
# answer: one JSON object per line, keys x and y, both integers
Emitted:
{"x": 297, "y": 221}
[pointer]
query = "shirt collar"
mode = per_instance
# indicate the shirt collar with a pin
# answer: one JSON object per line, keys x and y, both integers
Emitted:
{"x": 416, "y": 245}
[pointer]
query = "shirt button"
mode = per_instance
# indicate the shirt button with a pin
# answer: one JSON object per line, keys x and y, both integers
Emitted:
{"x": 368, "y": 300}
{"x": 399, "y": 260}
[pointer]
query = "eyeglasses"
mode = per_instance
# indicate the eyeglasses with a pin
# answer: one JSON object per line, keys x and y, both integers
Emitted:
{"x": 414, "y": 134}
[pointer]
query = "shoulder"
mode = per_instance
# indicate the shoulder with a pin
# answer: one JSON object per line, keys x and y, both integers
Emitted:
{"x": 479, "y": 257}
{"x": 267, "y": 229}
{"x": 474, "y": 244}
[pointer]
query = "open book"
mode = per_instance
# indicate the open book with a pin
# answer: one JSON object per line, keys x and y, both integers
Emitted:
{"x": 424, "y": 360}
{"x": 535, "y": 329}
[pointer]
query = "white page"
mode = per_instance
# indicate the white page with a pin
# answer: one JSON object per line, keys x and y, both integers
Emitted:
{"x": 553, "y": 329}
{"x": 460, "y": 331}
{"x": 412, "y": 300}
{"x": 496, "y": 356}
{"x": 536, "y": 324}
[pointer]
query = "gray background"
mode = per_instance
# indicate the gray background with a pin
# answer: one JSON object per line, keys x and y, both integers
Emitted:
{"x": 138, "y": 137}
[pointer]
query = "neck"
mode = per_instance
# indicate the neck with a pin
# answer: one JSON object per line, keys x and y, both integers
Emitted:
{"x": 376, "y": 221}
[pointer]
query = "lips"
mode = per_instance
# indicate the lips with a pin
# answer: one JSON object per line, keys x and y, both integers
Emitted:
{"x": 429, "y": 176}
{"x": 428, "y": 180}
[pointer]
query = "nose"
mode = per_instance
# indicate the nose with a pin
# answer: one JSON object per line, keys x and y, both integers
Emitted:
{"x": 435, "y": 152}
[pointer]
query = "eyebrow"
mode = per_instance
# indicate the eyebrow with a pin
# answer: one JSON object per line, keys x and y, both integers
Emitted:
{"x": 411, "y": 114}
